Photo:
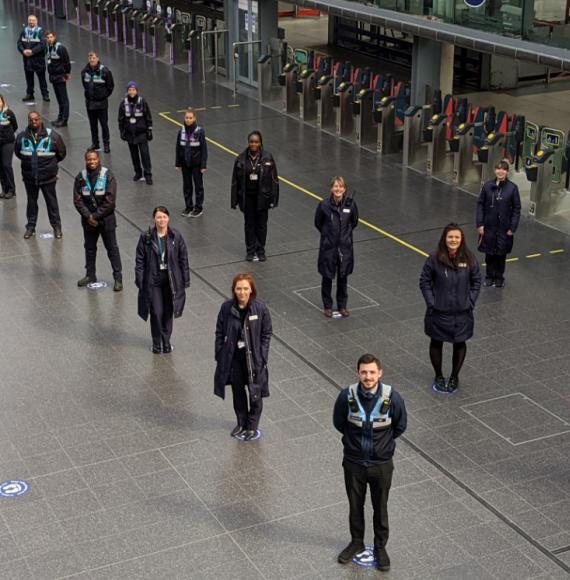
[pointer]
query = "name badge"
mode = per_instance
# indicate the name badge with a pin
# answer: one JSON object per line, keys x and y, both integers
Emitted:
{"x": 132, "y": 120}
{"x": 462, "y": 265}
{"x": 345, "y": 210}
{"x": 241, "y": 344}
{"x": 163, "y": 266}
{"x": 253, "y": 177}
{"x": 253, "y": 317}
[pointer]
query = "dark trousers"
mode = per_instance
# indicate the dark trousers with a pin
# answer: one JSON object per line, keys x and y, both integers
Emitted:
{"x": 161, "y": 311}
{"x": 91, "y": 236}
{"x": 193, "y": 178}
{"x": 97, "y": 116}
{"x": 247, "y": 417}
{"x": 495, "y": 266}
{"x": 6, "y": 171}
{"x": 341, "y": 291}
{"x": 140, "y": 156}
{"x": 255, "y": 226}
{"x": 60, "y": 90}
{"x": 41, "y": 79}
{"x": 379, "y": 478}
{"x": 50, "y": 195}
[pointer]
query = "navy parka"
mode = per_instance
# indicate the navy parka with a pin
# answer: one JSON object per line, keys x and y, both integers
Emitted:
{"x": 258, "y": 332}
{"x": 335, "y": 223}
{"x": 498, "y": 210}
{"x": 147, "y": 269}
{"x": 268, "y": 182}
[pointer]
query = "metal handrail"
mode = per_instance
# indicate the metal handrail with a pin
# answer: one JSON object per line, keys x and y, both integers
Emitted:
{"x": 236, "y": 58}
{"x": 215, "y": 32}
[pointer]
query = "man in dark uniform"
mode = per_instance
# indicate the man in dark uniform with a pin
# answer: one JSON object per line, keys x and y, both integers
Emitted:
{"x": 135, "y": 126}
{"x": 59, "y": 68}
{"x": 370, "y": 415}
{"x": 40, "y": 150}
{"x": 94, "y": 195}
{"x": 98, "y": 84}
{"x": 32, "y": 46}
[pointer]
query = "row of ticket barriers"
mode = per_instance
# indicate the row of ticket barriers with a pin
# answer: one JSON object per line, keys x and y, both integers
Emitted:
{"x": 448, "y": 138}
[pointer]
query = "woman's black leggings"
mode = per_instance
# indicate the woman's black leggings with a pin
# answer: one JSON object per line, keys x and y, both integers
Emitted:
{"x": 436, "y": 355}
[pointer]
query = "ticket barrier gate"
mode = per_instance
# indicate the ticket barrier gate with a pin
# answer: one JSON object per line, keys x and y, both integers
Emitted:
{"x": 89, "y": 22}
{"x": 264, "y": 78}
{"x": 491, "y": 152}
{"x": 99, "y": 22}
{"x": 144, "y": 29}
{"x": 157, "y": 35}
{"x": 72, "y": 11}
{"x": 546, "y": 170}
{"x": 388, "y": 138}
{"x": 414, "y": 124}
{"x": 324, "y": 94}
{"x": 109, "y": 25}
{"x": 364, "y": 119}
{"x": 193, "y": 48}
{"x": 464, "y": 170}
{"x": 438, "y": 160}
{"x": 343, "y": 109}
{"x": 125, "y": 26}
{"x": 288, "y": 80}
{"x": 138, "y": 28}
{"x": 530, "y": 140}
{"x": 115, "y": 21}
{"x": 306, "y": 88}
{"x": 174, "y": 38}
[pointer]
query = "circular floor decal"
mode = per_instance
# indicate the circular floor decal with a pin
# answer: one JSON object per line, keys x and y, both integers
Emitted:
{"x": 45, "y": 236}
{"x": 242, "y": 435}
{"x": 171, "y": 345}
{"x": 13, "y": 488}
{"x": 96, "y": 286}
{"x": 366, "y": 558}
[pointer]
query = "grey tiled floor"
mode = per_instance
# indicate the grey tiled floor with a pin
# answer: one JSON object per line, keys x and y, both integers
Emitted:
{"x": 132, "y": 471}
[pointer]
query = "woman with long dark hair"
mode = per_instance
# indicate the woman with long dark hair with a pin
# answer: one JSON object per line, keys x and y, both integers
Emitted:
{"x": 162, "y": 274}
{"x": 255, "y": 189}
{"x": 243, "y": 334}
{"x": 450, "y": 282}
{"x": 498, "y": 216}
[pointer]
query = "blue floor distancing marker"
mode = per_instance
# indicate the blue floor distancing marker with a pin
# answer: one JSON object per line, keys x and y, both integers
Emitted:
{"x": 366, "y": 558}
{"x": 97, "y": 286}
{"x": 13, "y": 488}
{"x": 242, "y": 435}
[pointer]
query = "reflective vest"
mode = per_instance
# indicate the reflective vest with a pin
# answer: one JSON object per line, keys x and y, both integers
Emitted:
{"x": 193, "y": 141}
{"x": 134, "y": 110}
{"x": 94, "y": 76}
{"x": 4, "y": 119}
{"x": 52, "y": 52}
{"x": 42, "y": 148}
{"x": 377, "y": 420}
{"x": 98, "y": 188}
{"x": 31, "y": 34}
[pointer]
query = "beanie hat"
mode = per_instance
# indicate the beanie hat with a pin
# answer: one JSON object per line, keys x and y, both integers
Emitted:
{"x": 132, "y": 85}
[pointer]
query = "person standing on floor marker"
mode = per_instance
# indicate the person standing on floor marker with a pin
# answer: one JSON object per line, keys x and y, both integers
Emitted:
{"x": 135, "y": 126}
{"x": 370, "y": 415}
{"x": 8, "y": 128}
{"x": 32, "y": 47}
{"x": 192, "y": 160}
{"x": 59, "y": 69}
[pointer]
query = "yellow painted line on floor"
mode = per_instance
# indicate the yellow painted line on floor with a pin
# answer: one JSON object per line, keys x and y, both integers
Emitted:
{"x": 511, "y": 260}
{"x": 559, "y": 251}
{"x": 232, "y": 106}
{"x": 216, "y": 107}
{"x": 530, "y": 256}
{"x": 292, "y": 184}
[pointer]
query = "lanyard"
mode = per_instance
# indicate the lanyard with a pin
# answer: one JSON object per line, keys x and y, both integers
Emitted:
{"x": 162, "y": 249}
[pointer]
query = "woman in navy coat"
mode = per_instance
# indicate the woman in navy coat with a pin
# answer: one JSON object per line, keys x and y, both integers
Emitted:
{"x": 335, "y": 218}
{"x": 498, "y": 215}
{"x": 162, "y": 274}
{"x": 243, "y": 334}
{"x": 450, "y": 282}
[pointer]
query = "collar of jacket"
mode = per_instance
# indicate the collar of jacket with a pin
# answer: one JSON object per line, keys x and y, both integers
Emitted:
{"x": 39, "y": 135}
{"x": 235, "y": 308}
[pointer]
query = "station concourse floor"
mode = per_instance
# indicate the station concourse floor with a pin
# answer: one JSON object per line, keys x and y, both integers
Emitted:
{"x": 132, "y": 471}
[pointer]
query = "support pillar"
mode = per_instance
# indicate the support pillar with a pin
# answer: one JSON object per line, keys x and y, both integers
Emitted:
{"x": 432, "y": 65}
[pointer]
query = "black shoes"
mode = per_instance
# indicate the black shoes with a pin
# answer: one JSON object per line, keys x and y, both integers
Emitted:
{"x": 138, "y": 177}
{"x": 489, "y": 282}
{"x": 9, "y": 195}
{"x": 249, "y": 257}
{"x": 94, "y": 147}
{"x": 156, "y": 349}
{"x": 237, "y": 430}
{"x": 106, "y": 148}
{"x": 196, "y": 213}
{"x": 262, "y": 257}
{"x": 499, "y": 283}
{"x": 382, "y": 559}
{"x": 249, "y": 434}
{"x": 58, "y": 234}
{"x": 148, "y": 180}
{"x": 118, "y": 286}
{"x": 29, "y": 234}
{"x": 439, "y": 385}
{"x": 85, "y": 281}
{"x": 187, "y": 212}
{"x": 355, "y": 547}
{"x": 452, "y": 384}
{"x": 59, "y": 123}
{"x": 46, "y": 98}
{"x": 28, "y": 99}
{"x": 167, "y": 348}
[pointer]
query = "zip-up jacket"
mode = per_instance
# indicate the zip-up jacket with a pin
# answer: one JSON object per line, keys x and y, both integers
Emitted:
{"x": 364, "y": 444}
{"x": 33, "y": 39}
{"x": 59, "y": 65}
{"x": 8, "y": 126}
{"x": 98, "y": 86}
{"x": 256, "y": 333}
{"x": 191, "y": 147}
{"x": 40, "y": 154}
{"x": 95, "y": 194}
{"x": 268, "y": 182}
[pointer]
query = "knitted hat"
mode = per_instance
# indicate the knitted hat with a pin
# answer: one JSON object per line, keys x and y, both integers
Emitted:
{"x": 132, "y": 85}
